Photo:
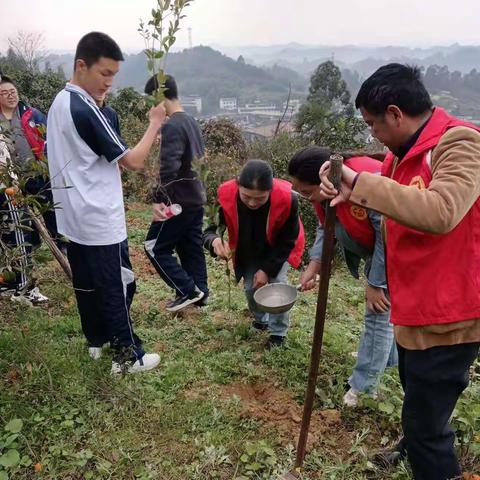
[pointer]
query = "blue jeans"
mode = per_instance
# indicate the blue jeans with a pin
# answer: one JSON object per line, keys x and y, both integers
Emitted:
{"x": 377, "y": 350}
{"x": 277, "y": 323}
{"x": 181, "y": 234}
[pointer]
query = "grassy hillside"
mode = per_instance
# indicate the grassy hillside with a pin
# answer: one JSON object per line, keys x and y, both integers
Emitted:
{"x": 219, "y": 407}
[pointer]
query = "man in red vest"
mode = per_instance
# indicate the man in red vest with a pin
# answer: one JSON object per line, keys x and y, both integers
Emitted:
{"x": 429, "y": 194}
{"x": 359, "y": 235}
{"x": 265, "y": 237}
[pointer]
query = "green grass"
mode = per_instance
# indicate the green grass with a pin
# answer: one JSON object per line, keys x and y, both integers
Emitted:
{"x": 177, "y": 422}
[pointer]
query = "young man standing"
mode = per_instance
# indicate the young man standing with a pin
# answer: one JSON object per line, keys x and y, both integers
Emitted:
{"x": 429, "y": 194}
{"x": 181, "y": 144}
{"x": 27, "y": 128}
{"x": 85, "y": 153}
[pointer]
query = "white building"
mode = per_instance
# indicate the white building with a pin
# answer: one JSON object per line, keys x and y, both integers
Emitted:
{"x": 293, "y": 106}
{"x": 258, "y": 108}
{"x": 192, "y": 102}
{"x": 228, "y": 103}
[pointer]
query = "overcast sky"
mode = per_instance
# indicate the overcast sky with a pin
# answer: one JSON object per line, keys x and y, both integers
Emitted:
{"x": 254, "y": 22}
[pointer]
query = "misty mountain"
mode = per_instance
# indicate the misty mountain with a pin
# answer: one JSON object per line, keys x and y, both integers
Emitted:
{"x": 304, "y": 58}
{"x": 212, "y": 75}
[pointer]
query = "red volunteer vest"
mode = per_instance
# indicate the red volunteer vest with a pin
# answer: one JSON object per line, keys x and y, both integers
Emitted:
{"x": 353, "y": 217}
{"x": 433, "y": 279}
{"x": 32, "y": 134}
{"x": 280, "y": 205}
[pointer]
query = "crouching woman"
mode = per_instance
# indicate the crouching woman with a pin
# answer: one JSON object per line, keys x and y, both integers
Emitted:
{"x": 265, "y": 237}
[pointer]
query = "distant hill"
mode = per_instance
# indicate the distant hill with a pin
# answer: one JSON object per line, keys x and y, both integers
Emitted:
{"x": 304, "y": 58}
{"x": 212, "y": 75}
{"x": 264, "y": 73}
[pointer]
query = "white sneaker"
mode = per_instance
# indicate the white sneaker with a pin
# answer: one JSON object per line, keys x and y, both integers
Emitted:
{"x": 350, "y": 399}
{"x": 95, "y": 352}
{"x": 148, "y": 362}
{"x": 30, "y": 297}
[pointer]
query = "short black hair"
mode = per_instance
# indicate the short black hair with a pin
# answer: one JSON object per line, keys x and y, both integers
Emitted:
{"x": 256, "y": 175}
{"x": 5, "y": 79}
{"x": 95, "y": 45}
{"x": 171, "y": 89}
{"x": 306, "y": 163}
{"x": 394, "y": 84}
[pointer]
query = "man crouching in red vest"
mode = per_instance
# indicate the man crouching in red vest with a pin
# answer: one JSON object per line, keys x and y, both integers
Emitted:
{"x": 359, "y": 234}
{"x": 429, "y": 195}
{"x": 265, "y": 235}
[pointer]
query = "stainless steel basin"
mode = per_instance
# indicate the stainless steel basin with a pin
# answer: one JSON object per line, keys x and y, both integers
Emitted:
{"x": 276, "y": 297}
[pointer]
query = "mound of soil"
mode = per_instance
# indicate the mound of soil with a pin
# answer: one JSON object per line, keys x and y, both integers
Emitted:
{"x": 275, "y": 408}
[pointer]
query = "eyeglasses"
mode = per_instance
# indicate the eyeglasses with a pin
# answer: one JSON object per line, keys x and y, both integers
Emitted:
{"x": 8, "y": 93}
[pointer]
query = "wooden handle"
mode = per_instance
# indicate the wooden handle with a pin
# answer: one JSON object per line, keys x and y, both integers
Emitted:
{"x": 335, "y": 174}
{"x": 328, "y": 251}
{"x": 62, "y": 260}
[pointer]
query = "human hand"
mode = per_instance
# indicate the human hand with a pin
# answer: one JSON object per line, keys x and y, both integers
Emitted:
{"x": 308, "y": 276}
{"x": 376, "y": 299}
{"x": 221, "y": 249}
{"x": 159, "y": 214}
{"x": 260, "y": 279}
{"x": 157, "y": 115}
{"x": 327, "y": 188}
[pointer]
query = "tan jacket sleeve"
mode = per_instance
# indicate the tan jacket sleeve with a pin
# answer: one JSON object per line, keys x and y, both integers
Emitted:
{"x": 454, "y": 188}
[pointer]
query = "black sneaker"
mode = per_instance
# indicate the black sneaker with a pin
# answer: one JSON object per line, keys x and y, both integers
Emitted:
{"x": 392, "y": 457}
{"x": 172, "y": 301}
{"x": 203, "y": 302}
{"x": 259, "y": 325}
{"x": 274, "y": 341}
{"x": 182, "y": 302}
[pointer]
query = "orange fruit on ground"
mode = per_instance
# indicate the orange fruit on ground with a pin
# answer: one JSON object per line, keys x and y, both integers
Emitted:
{"x": 38, "y": 467}
{"x": 11, "y": 191}
{"x": 2, "y": 280}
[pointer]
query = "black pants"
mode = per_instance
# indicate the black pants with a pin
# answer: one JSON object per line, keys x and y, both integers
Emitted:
{"x": 432, "y": 380}
{"x": 40, "y": 187}
{"x": 182, "y": 234}
{"x": 104, "y": 286}
{"x": 16, "y": 234}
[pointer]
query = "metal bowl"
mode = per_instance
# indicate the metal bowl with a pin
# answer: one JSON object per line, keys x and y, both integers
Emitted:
{"x": 276, "y": 297}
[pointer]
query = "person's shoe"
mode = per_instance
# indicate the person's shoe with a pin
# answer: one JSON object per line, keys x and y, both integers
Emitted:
{"x": 259, "y": 325}
{"x": 30, "y": 297}
{"x": 172, "y": 301}
{"x": 203, "y": 302}
{"x": 391, "y": 457}
{"x": 274, "y": 341}
{"x": 95, "y": 352}
{"x": 148, "y": 362}
{"x": 350, "y": 399}
{"x": 185, "y": 301}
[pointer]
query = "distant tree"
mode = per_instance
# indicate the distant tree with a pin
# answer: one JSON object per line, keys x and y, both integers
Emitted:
{"x": 28, "y": 46}
{"x": 328, "y": 117}
{"x": 225, "y": 153}
{"x": 127, "y": 101}
{"x": 241, "y": 60}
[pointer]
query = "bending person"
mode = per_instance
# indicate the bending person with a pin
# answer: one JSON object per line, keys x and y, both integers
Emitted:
{"x": 265, "y": 237}
{"x": 358, "y": 231}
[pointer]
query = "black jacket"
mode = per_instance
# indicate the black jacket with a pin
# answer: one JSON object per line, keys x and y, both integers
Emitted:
{"x": 182, "y": 143}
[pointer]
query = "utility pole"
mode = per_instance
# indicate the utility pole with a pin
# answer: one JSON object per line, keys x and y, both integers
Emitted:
{"x": 190, "y": 43}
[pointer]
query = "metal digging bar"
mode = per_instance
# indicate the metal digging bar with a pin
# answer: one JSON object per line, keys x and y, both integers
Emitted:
{"x": 335, "y": 175}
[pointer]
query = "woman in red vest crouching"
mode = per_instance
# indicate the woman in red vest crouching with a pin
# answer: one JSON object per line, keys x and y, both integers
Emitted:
{"x": 265, "y": 237}
{"x": 358, "y": 232}
{"x": 429, "y": 193}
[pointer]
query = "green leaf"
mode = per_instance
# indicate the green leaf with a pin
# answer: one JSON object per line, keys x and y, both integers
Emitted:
{"x": 10, "y": 459}
{"x": 14, "y": 425}
{"x": 385, "y": 407}
{"x": 10, "y": 439}
{"x": 3, "y": 475}
{"x": 244, "y": 458}
{"x": 251, "y": 449}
